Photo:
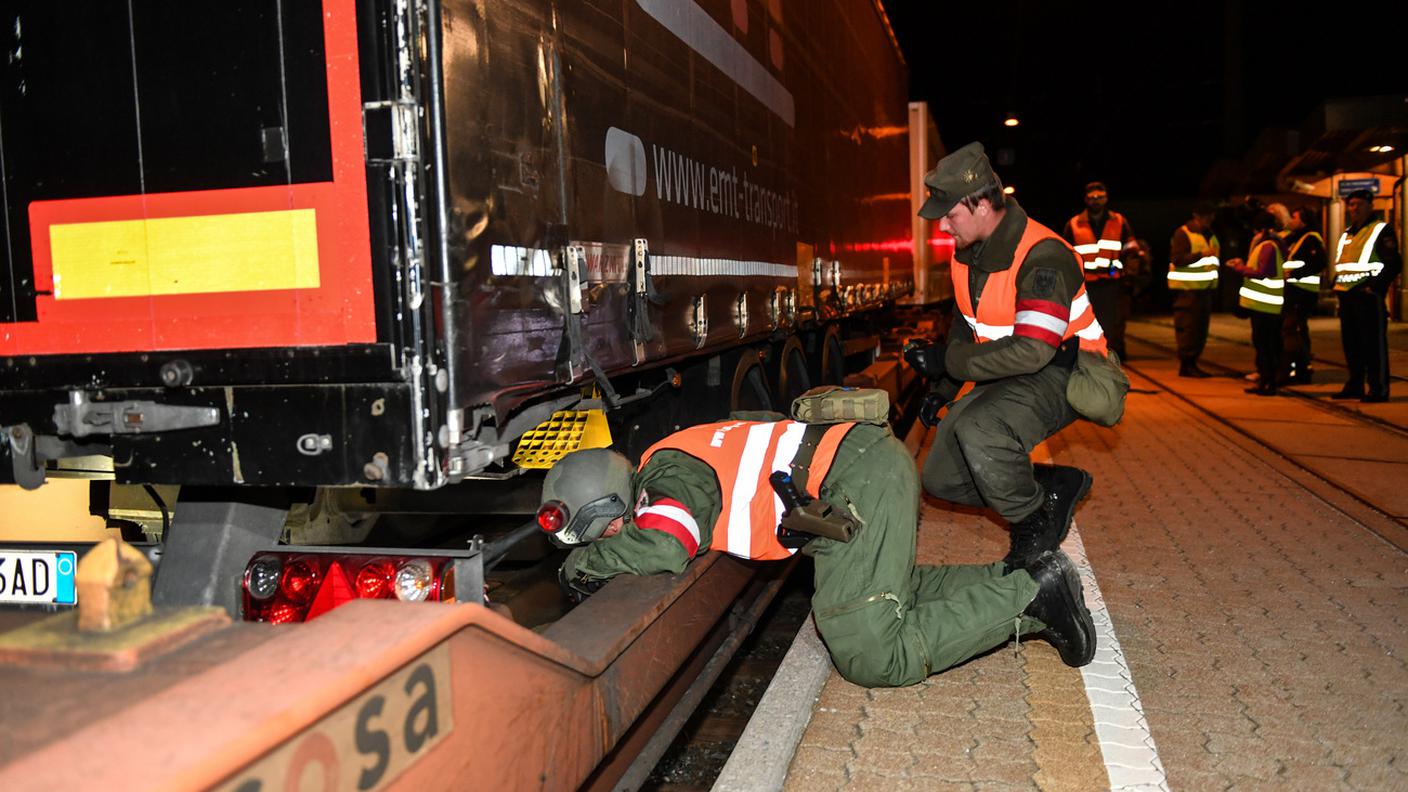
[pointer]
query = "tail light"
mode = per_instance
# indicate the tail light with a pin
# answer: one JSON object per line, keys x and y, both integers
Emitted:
{"x": 298, "y": 586}
{"x": 300, "y": 580}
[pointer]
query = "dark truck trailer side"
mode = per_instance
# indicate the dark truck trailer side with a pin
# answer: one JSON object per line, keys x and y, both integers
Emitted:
{"x": 366, "y": 243}
{"x": 372, "y": 242}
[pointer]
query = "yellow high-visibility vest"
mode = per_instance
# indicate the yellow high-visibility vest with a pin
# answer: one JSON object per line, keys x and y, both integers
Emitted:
{"x": 1201, "y": 274}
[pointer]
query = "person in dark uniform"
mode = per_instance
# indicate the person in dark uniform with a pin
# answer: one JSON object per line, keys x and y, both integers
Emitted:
{"x": 1305, "y": 262}
{"x": 885, "y": 621}
{"x": 1105, "y": 243}
{"x": 1262, "y": 298}
{"x": 1194, "y": 259}
{"x": 1025, "y": 314}
{"x": 1366, "y": 265}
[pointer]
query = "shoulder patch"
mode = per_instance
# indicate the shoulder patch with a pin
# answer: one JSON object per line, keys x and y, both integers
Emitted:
{"x": 1044, "y": 282}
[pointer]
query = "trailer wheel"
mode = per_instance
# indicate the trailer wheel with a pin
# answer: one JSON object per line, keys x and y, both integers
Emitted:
{"x": 793, "y": 378}
{"x": 833, "y": 358}
{"x": 750, "y": 385}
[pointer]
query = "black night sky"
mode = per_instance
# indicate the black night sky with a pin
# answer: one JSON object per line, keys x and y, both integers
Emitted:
{"x": 1144, "y": 96}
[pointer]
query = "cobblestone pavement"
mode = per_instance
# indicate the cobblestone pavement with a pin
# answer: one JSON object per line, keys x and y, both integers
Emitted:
{"x": 1260, "y": 614}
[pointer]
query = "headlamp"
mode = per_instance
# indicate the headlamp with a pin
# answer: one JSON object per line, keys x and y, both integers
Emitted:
{"x": 582, "y": 526}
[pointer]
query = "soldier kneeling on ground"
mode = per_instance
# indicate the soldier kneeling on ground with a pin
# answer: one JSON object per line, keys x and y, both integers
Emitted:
{"x": 847, "y": 494}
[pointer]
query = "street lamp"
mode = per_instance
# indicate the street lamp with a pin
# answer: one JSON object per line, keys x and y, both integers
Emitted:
{"x": 1011, "y": 120}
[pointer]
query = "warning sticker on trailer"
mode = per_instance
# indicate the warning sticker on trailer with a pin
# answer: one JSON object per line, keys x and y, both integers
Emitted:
{"x": 369, "y": 742}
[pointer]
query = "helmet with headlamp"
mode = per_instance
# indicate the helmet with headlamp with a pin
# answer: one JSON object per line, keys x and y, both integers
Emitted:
{"x": 583, "y": 494}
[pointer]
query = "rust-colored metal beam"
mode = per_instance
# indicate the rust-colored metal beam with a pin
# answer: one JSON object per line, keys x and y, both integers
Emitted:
{"x": 489, "y": 704}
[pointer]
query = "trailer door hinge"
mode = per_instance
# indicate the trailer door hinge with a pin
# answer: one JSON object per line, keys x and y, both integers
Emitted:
{"x": 642, "y": 296}
{"x": 392, "y": 131}
{"x": 82, "y": 417}
{"x": 574, "y": 265}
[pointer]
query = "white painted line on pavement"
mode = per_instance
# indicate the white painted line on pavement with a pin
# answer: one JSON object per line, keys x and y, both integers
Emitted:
{"x": 1131, "y": 759}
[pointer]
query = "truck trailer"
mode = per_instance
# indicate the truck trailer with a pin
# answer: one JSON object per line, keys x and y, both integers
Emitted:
{"x": 295, "y": 276}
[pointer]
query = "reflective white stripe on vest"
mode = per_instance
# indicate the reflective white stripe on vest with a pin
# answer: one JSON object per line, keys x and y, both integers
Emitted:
{"x": 1261, "y": 297}
{"x": 1093, "y": 247}
{"x": 787, "y": 446}
{"x": 1104, "y": 263}
{"x": 1091, "y": 332}
{"x": 678, "y": 515}
{"x": 1270, "y": 283}
{"x": 1079, "y": 306}
{"x": 750, "y": 466}
{"x": 1365, "y": 266}
{"x": 1307, "y": 280}
{"x": 1110, "y": 244}
{"x": 990, "y": 332}
{"x": 1206, "y": 261}
{"x": 1207, "y": 275}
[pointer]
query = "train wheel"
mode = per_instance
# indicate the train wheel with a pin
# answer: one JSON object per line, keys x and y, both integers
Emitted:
{"x": 793, "y": 378}
{"x": 750, "y": 385}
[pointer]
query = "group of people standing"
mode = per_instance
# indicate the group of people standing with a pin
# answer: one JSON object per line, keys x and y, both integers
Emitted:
{"x": 1282, "y": 276}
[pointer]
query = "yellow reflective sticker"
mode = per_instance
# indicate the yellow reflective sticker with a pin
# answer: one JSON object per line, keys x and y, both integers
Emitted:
{"x": 251, "y": 251}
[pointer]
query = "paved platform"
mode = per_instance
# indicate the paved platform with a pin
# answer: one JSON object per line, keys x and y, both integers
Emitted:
{"x": 1248, "y": 555}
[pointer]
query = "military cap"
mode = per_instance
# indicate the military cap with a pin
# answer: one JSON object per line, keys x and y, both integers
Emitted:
{"x": 1363, "y": 195}
{"x": 961, "y": 173}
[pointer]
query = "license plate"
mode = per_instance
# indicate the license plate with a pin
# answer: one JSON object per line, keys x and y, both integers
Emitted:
{"x": 37, "y": 577}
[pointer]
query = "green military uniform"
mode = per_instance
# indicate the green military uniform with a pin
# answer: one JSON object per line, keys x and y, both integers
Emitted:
{"x": 1020, "y": 396}
{"x": 885, "y": 621}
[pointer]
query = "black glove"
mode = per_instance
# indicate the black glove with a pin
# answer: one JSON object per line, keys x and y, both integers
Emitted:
{"x": 929, "y": 408}
{"x": 577, "y": 587}
{"x": 926, "y": 358}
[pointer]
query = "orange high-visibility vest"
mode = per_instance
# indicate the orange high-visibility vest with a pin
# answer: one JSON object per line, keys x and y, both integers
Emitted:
{"x": 1000, "y": 315}
{"x": 1099, "y": 256}
{"x": 743, "y": 454}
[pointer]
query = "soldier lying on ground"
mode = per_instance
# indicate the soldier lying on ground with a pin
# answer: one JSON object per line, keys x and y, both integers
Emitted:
{"x": 885, "y": 621}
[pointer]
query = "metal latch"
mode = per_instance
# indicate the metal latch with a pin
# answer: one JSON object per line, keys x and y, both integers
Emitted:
{"x": 642, "y": 295}
{"x": 82, "y": 417}
{"x": 574, "y": 265}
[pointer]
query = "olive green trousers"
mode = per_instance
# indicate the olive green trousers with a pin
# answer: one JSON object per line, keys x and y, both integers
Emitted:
{"x": 885, "y": 621}
{"x": 981, "y": 455}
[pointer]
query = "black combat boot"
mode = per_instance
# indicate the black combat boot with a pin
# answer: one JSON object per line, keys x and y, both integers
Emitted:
{"x": 1060, "y": 605}
{"x": 1190, "y": 369}
{"x": 1062, "y": 487}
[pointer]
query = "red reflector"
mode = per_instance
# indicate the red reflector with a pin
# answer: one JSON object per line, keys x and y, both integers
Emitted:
{"x": 300, "y": 581}
{"x": 335, "y": 591}
{"x": 552, "y": 516}
{"x": 374, "y": 580}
